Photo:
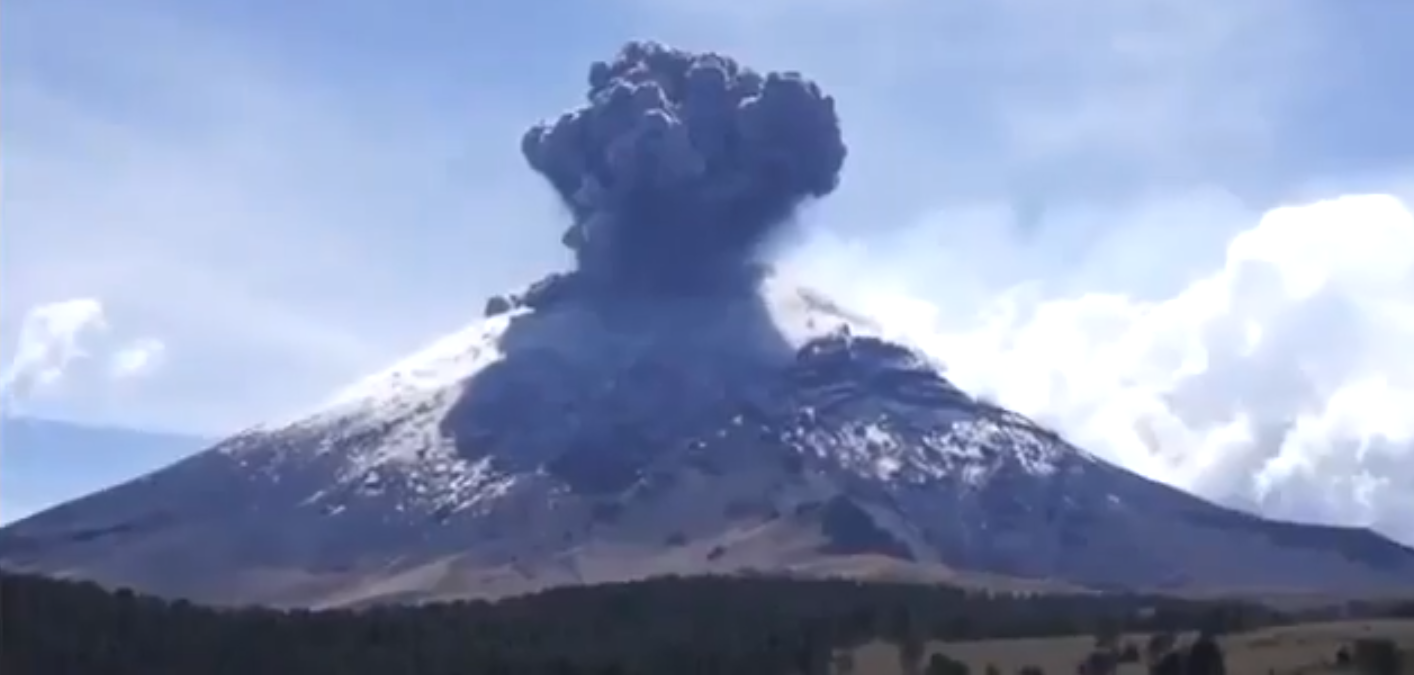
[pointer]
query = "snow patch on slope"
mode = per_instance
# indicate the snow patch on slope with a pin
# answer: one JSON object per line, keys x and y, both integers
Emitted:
{"x": 972, "y": 448}
{"x": 442, "y": 364}
{"x": 384, "y": 431}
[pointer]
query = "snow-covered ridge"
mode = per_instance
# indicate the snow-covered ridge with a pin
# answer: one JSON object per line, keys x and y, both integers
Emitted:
{"x": 799, "y": 314}
{"x": 390, "y": 428}
{"x": 933, "y": 431}
{"x": 443, "y": 363}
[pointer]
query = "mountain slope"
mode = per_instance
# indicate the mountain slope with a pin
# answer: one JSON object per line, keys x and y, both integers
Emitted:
{"x": 44, "y": 462}
{"x": 575, "y": 438}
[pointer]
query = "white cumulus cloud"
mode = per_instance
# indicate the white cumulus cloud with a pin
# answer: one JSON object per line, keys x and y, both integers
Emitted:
{"x": 70, "y": 339}
{"x": 137, "y": 358}
{"x": 49, "y": 341}
{"x": 1279, "y": 379}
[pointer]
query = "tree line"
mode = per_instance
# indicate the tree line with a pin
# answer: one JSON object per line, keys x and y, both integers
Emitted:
{"x": 683, "y": 626}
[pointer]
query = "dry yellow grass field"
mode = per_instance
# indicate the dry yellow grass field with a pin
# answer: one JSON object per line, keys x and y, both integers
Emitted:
{"x": 1305, "y": 649}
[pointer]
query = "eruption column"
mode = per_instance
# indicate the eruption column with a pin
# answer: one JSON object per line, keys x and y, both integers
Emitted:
{"x": 681, "y": 165}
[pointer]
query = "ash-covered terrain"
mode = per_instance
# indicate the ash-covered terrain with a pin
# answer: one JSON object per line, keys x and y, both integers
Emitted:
{"x": 669, "y": 406}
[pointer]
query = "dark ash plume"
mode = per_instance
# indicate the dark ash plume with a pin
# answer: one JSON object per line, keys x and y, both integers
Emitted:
{"x": 681, "y": 165}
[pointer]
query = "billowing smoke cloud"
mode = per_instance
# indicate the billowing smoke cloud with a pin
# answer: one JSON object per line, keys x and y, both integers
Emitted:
{"x": 1281, "y": 381}
{"x": 681, "y": 165}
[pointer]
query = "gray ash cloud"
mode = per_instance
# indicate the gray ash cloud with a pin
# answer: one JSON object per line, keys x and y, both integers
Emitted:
{"x": 680, "y": 166}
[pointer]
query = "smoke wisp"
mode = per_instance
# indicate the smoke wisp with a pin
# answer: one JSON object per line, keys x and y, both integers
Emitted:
{"x": 681, "y": 165}
{"x": 1279, "y": 381}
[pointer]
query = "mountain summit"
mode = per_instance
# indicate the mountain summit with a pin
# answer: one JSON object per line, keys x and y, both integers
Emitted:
{"x": 668, "y": 406}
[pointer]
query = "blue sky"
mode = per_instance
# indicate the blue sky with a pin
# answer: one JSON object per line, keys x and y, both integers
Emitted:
{"x": 259, "y": 202}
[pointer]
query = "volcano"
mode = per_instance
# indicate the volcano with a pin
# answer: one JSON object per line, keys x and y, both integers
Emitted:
{"x": 669, "y": 406}
{"x": 590, "y": 440}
